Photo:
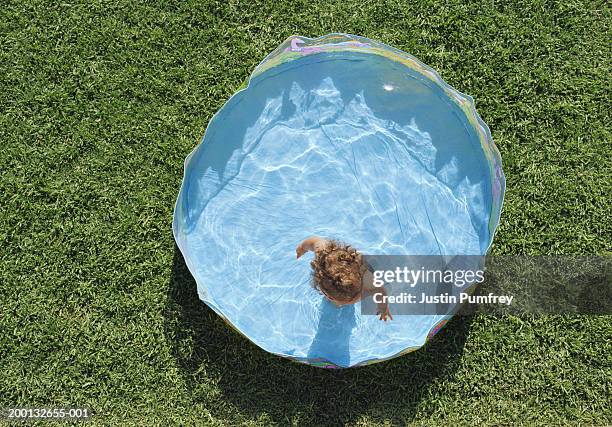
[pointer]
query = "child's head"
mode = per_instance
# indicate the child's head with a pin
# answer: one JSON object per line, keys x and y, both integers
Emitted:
{"x": 337, "y": 272}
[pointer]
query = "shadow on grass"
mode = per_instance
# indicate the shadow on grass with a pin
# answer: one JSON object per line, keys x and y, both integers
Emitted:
{"x": 235, "y": 379}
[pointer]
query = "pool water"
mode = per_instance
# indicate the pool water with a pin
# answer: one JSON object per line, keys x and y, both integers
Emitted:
{"x": 344, "y": 145}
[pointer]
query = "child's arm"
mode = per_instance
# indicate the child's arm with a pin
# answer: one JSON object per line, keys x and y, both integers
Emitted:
{"x": 369, "y": 288}
{"x": 313, "y": 243}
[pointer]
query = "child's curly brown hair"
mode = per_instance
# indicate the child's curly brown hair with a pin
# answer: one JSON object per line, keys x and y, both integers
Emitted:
{"x": 337, "y": 271}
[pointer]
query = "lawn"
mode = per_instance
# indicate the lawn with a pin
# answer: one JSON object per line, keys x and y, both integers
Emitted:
{"x": 100, "y": 102}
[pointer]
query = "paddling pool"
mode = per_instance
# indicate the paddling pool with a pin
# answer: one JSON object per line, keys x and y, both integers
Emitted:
{"x": 346, "y": 138}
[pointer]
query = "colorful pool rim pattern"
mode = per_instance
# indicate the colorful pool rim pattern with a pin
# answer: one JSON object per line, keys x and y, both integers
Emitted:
{"x": 296, "y": 47}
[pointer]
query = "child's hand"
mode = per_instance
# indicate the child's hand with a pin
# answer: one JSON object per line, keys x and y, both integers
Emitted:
{"x": 313, "y": 243}
{"x": 300, "y": 250}
{"x": 383, "y": 311}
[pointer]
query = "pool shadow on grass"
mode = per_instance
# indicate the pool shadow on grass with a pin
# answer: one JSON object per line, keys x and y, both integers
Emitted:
{"x": 256, "y": 384}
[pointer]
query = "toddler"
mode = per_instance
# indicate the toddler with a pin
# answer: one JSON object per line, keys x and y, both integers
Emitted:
{"x": 340, "y": 273}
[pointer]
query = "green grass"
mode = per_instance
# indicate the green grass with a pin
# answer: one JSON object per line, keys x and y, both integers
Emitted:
{"x": 100, "y": 103}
